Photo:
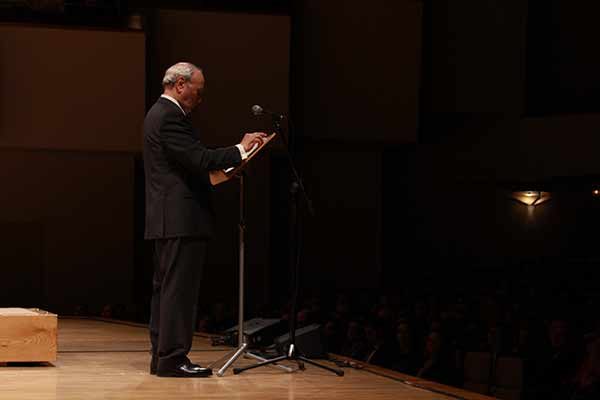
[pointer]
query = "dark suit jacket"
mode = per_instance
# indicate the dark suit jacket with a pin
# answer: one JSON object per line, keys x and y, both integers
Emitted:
{"x": 176, "y": 169}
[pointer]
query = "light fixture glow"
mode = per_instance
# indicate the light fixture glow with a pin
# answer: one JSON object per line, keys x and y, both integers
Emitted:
{"x": 531, "y": 197}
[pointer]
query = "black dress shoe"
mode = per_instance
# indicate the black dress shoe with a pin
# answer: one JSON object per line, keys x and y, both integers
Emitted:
{"x": 154, "y": 365}
{"x": 185, "y": 370}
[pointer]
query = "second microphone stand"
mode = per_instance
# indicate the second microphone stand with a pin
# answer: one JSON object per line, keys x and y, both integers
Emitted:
{"x": 293, "y": 353}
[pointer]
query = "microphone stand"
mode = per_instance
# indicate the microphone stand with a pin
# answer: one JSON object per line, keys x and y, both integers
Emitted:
{"x": 242, "y": 349}
{"x": 293, "y": 353}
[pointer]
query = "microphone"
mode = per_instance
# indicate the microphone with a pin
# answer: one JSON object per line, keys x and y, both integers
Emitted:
{"x": 258, "y": 110}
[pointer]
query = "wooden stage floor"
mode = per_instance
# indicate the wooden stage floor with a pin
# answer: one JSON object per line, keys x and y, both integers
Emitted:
{"x": 110, "y": 360}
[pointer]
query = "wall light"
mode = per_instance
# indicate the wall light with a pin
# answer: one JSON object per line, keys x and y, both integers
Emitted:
{"x": 596, "y": 192}
{"x": 531, "y": 197}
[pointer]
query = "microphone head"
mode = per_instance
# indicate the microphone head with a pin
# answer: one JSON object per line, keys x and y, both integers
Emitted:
{"x": 257, "y": 110}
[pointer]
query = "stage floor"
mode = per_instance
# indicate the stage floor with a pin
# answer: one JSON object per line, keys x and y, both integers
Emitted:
{"x": 110, "y": 360}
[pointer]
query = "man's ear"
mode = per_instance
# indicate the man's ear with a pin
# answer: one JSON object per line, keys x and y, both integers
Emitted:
{"x": 179, "y": 84}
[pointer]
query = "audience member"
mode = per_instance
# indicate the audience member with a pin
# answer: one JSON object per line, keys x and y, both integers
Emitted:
{"x": 383, "y": 348}
{"x": 408, "y": 360}
{"x": 438, "y": 364}
{"x": 554, "y": 363}
{"x": 586, "y": 383}
{"x": 355, "y": 344}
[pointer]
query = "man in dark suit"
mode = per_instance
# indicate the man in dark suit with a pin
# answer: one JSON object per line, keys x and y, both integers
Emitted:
{"x": 179, "y": 216}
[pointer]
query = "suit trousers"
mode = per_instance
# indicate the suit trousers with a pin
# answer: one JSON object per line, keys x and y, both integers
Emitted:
{"x": 178, "y": 265}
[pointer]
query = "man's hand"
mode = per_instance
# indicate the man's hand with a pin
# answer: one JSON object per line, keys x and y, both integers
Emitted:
{"x": 251, "y": 139}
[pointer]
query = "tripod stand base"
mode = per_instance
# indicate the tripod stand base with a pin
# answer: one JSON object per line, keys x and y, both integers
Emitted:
{"x": 290, "y": 356}
{"x": 237, "y": 354}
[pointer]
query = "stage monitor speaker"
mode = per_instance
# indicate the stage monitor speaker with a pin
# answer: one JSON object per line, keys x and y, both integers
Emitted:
{"x": 258, "y": 331}
{"x": 308, "y": 341}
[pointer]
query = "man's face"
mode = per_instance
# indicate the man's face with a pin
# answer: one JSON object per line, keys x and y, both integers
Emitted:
{"x": 190, "y": 92}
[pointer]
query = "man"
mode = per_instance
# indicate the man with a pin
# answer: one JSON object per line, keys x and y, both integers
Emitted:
{"x": 179, "y": 217}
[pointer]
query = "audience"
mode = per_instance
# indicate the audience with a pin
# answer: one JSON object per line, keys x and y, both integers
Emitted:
{"x": 428, "y": 335}
{"x": 427, "y": 330}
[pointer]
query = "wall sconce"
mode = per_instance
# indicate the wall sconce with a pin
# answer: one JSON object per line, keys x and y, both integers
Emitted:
{"x": 531, "y": 197}
{"x": 596, "y": 193}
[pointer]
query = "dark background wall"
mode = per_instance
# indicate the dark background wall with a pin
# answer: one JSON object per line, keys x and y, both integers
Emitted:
{"x": 414, "y": 120}
{"x": 71, "y": 103}
{"x": 561, "y": 61}
{"x": 507, "y": 103}
{"x": 354, "y": 91}
{"x": 40, "y": 109}
{"x": 358, "y": 70}
{"x": 67, "y": 228}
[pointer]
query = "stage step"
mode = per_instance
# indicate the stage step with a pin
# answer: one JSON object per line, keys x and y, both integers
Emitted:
{"x": 27, "y": 335}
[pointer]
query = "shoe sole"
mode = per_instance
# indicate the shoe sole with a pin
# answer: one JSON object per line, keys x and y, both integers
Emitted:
{"x": 176, "y": 375}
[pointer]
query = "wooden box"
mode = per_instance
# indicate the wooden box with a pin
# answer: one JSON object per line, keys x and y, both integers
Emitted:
{"x": 27, "y": 335}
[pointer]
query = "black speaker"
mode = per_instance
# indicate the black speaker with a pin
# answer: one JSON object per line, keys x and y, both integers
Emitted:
{"x": 308, "y": 341}
{"x": 258, "y": 332}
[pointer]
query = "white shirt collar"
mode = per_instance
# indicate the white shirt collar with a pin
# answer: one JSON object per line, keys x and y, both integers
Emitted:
{"x": 166, "y": 96}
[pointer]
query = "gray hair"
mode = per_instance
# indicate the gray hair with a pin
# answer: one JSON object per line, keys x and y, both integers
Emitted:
{"x": 174, "y": 72}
